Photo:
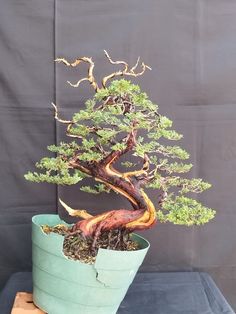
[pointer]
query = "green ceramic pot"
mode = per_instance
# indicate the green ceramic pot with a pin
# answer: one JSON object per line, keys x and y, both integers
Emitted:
{"x": 62, "y": 286}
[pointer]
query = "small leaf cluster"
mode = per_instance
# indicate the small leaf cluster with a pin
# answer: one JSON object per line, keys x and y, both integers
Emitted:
{"x": 65, "y": 149}
{"x": 97, "y": 189}
{"x": 195, "y": 185}
{"x": 54, "y": 170}
{"x": 182, "y": 210}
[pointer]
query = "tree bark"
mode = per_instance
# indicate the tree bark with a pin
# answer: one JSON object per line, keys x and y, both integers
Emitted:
{"x": 143, "y": 215}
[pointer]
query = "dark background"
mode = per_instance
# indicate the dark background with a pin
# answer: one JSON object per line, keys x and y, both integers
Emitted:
{"x": 191, "y": 46}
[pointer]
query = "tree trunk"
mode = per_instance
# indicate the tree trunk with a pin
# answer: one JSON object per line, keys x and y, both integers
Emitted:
{"x": 143, "y": 216}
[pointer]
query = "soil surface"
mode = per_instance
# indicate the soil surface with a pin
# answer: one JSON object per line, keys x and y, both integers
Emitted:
{"x": 77, "y": 247}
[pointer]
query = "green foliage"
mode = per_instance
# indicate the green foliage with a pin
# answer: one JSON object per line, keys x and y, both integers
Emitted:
{"x": 168, "y": 134}
{"x": 80, "y": 130}
{"x": 183, "y": 185}
{"x": 165, "y": 122}
{"x": 128, "y": 164}
{"x": 170, "y": 167}
{"x": 118, "y": 88}
{"x": 105, "y": 136}
{"x": 185, "y": 211}
{"x": 98, "y": 188}
{"x": 186, "y": 185}
{"x": 118, "y": 146}
{"x": 54, "y": 170}
{"x": 172, "y": 151}
{"x": 194, "y": 185}
{"x": 175, "y": 167}
{"x": 65, "y": 179}
{"x": 66, "y": 149}
{"x": 90, "y": 156}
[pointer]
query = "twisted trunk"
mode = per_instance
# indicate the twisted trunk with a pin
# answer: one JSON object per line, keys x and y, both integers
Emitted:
{"x": 143, "y": 215}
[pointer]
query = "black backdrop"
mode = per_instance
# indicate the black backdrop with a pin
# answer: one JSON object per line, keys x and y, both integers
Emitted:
{"x": 191, "y": 46}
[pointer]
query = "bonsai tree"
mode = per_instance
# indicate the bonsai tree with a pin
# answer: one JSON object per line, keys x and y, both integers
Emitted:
{"x": 119, "y": 139}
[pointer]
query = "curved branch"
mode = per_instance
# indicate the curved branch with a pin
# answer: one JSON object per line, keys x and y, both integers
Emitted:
{"x": 116, "y": 62}
{"x": 90, "y": 77}
{"x": 78, "y": 83}
{"x": 70, "y": 123}
{"x": 125, "y": 71}
{"x": 81, "y": 213}
{"x": 59, "y": 119}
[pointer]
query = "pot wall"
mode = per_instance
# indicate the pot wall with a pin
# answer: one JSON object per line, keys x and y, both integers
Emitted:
{"x": 62, "y": 286}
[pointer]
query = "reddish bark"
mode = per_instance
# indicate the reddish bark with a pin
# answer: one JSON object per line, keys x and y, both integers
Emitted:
{"x": 143, "y": 215}
{"x": 113, "y": 219}
{"x": 119, "y": 219}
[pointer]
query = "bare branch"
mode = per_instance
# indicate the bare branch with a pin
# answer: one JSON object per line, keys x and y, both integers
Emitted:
{"x": 70, "y": 123}
{"x": 70, "y": 134}
{"x": 136, "y": 64}
{"x": 116, "y": 62}
{"x": 81, "y": 213}
{"x": 90, "y": 77}
{"x": 59, "y": 119}
{"x": 78, "y": 83}
{"x": 125, "y": 71}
